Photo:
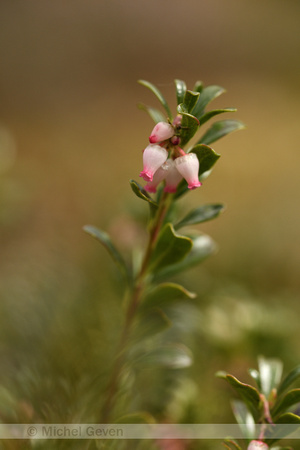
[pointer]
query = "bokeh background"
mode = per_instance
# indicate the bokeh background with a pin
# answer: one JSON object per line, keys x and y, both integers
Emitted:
{"x": 71, "y": 137}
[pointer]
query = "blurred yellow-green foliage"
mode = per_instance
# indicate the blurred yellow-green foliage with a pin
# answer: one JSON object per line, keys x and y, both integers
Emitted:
{"x": 71, "y": 137}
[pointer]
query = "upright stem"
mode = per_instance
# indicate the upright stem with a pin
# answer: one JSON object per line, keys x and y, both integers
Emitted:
{"x": 137, "y": 291}
{"x": 163, "y": 207}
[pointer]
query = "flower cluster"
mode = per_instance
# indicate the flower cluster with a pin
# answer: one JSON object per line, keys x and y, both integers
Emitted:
{"x": 163, "y": 159}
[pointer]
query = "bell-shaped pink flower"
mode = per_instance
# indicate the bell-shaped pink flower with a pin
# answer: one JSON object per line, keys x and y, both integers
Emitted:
{"x": 257, "y": 445}
{"x": 158, "y": 177}
{"x": 188, "y": 167}
{"x": 153, "y": 157}
{"x": 173, "y": 177}
{"x": 161, "y": 132}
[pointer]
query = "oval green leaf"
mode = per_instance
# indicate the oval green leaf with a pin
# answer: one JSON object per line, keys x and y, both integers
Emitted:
{"x": 208, "y": 94}
{"x": 244, "y": 418}
{"x": 200, "y": 215}
{"x": 207, "y": 157}
{"x": 290, "y": 399}
{"x": 189, "y": 125}
{"x": 158, "y": 94}
{"x": 170, "y": 248}
{"x": 198, "y": 86}
{"x": 203, "y": 246}
{"x": 255, "y": 375}
{"x": 278, "y": 433}
{"x": 142, "y": 193}
{"x": 288, "y": 418}
{"x": 289, "y": 379}
{"x": 248, "y": 393}
{"x": 190, "y": 100}
{"x": 180, "y": 90}
{"x": 220, "y": 129}
{"x": 210, "y": 114}
{"x": 164, "y": 294}
{"x": 105, "y": 240}
{"x": 154, "y": 113}
{"x": 270, "y": 371}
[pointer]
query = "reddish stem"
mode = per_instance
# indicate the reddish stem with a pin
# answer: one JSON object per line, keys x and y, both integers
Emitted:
{"x": 130, "y": 314}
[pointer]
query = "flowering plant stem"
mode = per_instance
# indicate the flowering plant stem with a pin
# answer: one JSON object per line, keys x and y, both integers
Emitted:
{"x": 163, "y": 206}
{"x": 135, "y": 298}
{"x": 170, "y": 170}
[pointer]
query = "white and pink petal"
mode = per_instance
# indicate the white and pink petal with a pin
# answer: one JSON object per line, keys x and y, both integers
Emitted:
{"x": 153, "y": 157}
{"x": 161, "y": 132}
{"x": 173, "y": 177}
{"x": 188, "y": 167}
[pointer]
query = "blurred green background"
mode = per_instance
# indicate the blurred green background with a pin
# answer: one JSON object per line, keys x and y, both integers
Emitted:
{"x": 71, "y": 137}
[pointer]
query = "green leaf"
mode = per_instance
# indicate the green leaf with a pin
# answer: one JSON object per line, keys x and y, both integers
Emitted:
{"x": 207, "y": 158}
{"x": 288, "y": 418}
{"x": 154, "y": 113}
{"x": 244, "y": 418}
{"x": 248, "y": 393}
{"x": 174, "y": 356}
{"x": 270, "y": 371}
{"x": 180, "y": 90}
{"x": 208, "y": 94}
{"x": 142, "y": 193}
{"x": 203, "y": 246}
{"x": 190, "y": 100}
{"x": 158, "y": 94}
{"x": 150, "y": 323}
{"x": 200, "y": 215}
{"x": 189, "y": 125}
{"x": 165, "y": 294}
{"x": 255, "y": 375}
{"x": 274, "y": 435}
{"x": 170, "y": 248}
{"x": 198, "y": 86}
{"x": 105, "y": 240}
{"x": 220, "y": 129}
{"x": 210, "y": 114}
{"x": 290, "y": 399}
{"x": 289, "y": 379}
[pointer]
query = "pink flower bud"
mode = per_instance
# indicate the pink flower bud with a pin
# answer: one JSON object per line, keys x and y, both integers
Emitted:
{"x": 173, "y": 177}
{"x": 257, "y": 445}
{"x": 161, "y": 132}
{"x": 175, "y": 140}
{"x": 177, "y": 121}
{"x": 159, "y": 175}
{"x": 153, "y": 157}
{"x": 188, "y": 166}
